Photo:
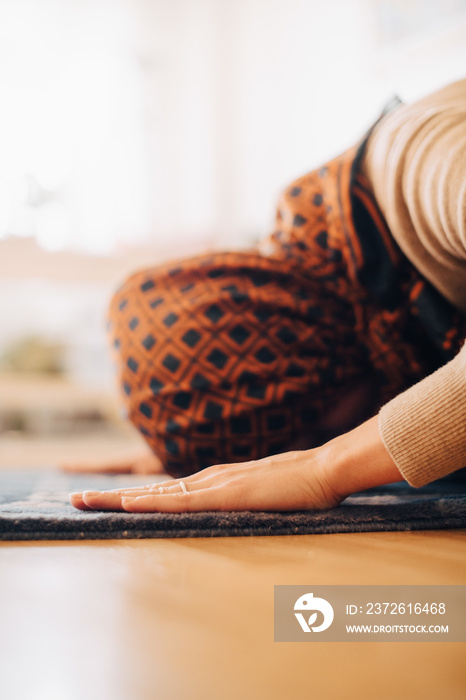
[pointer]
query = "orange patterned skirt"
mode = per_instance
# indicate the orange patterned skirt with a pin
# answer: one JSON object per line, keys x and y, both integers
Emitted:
{"x": 232, "y": 356}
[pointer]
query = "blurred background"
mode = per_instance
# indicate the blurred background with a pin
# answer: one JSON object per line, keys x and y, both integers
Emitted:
{"x": 132, "y": 131}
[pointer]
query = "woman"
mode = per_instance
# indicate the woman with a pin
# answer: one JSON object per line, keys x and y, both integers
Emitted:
{"x": 272, "y": 364}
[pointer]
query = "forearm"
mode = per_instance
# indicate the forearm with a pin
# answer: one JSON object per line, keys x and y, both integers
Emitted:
{"x": 415, "y": 162}
{"x": 419, "y": 436}
{"x": 424, "y": 428}
{"x": 357, "y": 460}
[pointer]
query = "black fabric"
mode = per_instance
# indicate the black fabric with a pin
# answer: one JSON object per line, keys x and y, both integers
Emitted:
{"x": 381, "y": 275}
{"x": 34, "y": 506}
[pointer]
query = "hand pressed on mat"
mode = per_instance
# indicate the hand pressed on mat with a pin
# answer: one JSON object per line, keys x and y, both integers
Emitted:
{"x": 314, "y": 479}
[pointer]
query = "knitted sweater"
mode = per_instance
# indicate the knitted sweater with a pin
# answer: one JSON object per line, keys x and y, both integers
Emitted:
{"x": 416, "y": 163}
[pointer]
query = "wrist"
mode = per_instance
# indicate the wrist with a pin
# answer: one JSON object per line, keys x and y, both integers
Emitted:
{"x": 357, "y": 460}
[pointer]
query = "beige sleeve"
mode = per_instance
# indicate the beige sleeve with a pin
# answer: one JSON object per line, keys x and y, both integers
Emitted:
{"x": 424, "y": 428}
{"x": 416, "y": 164}
{"x": 415, "y": 161}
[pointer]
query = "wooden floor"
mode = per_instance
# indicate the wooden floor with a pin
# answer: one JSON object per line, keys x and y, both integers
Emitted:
{"x": 193, "y": 618}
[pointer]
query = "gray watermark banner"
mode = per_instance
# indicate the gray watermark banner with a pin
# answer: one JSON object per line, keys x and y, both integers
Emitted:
{"x": 370, "y": 613}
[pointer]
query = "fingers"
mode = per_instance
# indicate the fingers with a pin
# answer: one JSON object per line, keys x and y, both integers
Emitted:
{"x": 104, "y": 500}
{"x": 209, "y": 499}
{"x": 112, "y": 500}
{"x": 291, "y": 481}
{"x": 76, "y": 500}
{"x": 164, "y": 495}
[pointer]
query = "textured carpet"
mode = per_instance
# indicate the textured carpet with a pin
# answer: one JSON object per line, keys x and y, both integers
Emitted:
{"x": 34, "y": 506}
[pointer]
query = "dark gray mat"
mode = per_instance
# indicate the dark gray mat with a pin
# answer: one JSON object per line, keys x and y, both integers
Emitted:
{"x": 34, "y": 506}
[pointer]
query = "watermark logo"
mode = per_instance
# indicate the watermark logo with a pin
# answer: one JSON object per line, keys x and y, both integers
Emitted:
{"x": 382, "y": 613}
{"x": 308, "y": 603}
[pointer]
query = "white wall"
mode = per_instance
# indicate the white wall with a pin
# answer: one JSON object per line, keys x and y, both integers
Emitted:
{"x": 244, "y": 96}
{"x": 177, "y": 123}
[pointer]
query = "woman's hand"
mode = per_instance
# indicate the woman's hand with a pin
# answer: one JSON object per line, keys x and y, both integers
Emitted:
{"x": 314, "y": 479}
{"x": 288, "y": 481}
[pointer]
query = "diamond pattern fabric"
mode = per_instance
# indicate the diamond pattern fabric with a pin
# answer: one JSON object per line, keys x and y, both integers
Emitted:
{"x": 233, "y": 356}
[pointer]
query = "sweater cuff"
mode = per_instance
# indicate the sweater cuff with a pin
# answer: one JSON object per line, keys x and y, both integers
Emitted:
{"x": 424, "y": 428}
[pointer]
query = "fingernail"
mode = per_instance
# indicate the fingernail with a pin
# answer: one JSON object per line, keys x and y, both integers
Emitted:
{"x": 91, "y": 493}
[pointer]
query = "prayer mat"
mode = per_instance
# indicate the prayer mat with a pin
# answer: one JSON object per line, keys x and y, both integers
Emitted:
{"x": 34, "y": 506}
